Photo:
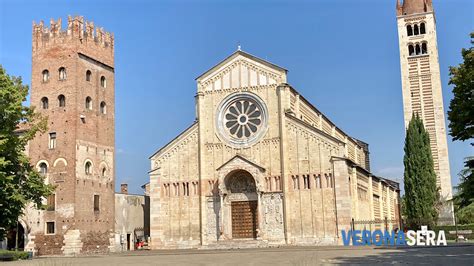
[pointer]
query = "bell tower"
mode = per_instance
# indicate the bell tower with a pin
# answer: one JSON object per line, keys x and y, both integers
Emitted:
{"x": 421, "y": 85}
{"x": 73, "y": 85}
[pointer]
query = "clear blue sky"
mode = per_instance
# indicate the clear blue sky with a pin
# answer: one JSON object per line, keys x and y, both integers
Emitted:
{"x": 341, "y": 55}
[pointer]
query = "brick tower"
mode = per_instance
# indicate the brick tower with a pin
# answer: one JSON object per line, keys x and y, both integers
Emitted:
{"x": 73, "y": 85}
{"x": 421, "y": 85}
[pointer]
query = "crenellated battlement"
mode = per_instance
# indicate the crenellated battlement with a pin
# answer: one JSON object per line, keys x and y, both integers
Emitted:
{"x": 77, "y": 30}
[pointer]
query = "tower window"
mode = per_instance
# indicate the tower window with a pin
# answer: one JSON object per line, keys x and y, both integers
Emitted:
{"x": 52, "y": 140}
{"x": 43, "y": 169}
{"x": 104, "y": 172}
{"x": 424, "y": 48}
{"x": 103, "y": 108}
{"x": 88, "y": 168}
{"x": 51, "y": 202}
{"x": 44, "y": 103}
{"x": 89, "y": 103}
{"x": 411, "y": 50}
{"x": 417, "y": 49}
{"x": 62, "y": 101}
{"x": 415, "y": 30}
{"x": 62, "y": 73}
{"x": 422, "y": 28}
{"x": 103, "y": 82}
{"x": 45, "y": 75}
{"x": 50, "y": 228}
{"x": 88, "y": 75}
{"x": 409, "y": 30}
{"x": 96, "y": 203}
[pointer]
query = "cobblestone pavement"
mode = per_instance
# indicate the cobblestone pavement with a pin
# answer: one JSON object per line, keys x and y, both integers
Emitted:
{"x": 451, "y": 255}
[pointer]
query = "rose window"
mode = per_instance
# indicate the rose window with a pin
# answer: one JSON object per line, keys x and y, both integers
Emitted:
{"x": 242, "y": 119}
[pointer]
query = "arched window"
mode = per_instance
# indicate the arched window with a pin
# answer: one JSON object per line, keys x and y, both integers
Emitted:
{"x": 44, "y": 103}
{"x": 417, "y": 49}
{"x": 88, "y": 168}
{"x": 62, "y": 73}
{"x": 88, "y": 75}
{"x": 103, "y": 82}
{"x": 103, "y": 173}
{"x": 43, "y": 169}
{"x": 409, "y": 30}
{"x": 422, "y": 28}
{"x": 424, "y": 48}
{"x": 415, "y": 30}
{"x": 89, "y": 103}
{"x": 411, "y": 50}
{"x": 45, "y": 75}
{"x": 103, "y": 108}
{"x": 62, "y": 101}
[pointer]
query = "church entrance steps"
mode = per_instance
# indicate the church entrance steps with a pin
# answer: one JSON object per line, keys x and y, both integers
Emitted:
{"x": 237, "y": 244}
{"x": 72, "y": 242}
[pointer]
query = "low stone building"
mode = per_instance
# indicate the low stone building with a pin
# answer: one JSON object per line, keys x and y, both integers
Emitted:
{"x": 131, "y": 212}
{"x": 261, "y": 166}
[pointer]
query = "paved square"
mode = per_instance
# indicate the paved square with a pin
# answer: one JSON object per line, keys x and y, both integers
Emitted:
{"x": 451, "y": 255}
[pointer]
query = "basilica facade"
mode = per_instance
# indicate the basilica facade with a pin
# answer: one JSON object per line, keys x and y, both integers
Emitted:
{"x": 261, "y": 166}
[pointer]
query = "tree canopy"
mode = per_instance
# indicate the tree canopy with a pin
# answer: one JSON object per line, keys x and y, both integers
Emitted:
{"x": 461, "y": 108}
{"x": 20, "y": 183}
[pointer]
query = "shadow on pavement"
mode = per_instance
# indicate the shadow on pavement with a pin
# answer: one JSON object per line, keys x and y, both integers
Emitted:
{"x": 450, "y": 255}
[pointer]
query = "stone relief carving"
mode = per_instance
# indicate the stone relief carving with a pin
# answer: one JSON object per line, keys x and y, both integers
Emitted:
{"x": 213, "y": 226}
{"x": 272, "y": 204}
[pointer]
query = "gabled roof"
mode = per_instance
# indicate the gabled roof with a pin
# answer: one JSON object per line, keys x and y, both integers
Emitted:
{"x": 187, "y": 130}
{"x": 243, "y": 159}
{"x": 245, "y": 54}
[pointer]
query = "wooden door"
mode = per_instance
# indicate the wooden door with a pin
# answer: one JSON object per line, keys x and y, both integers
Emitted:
{"x": 244, "y": 219}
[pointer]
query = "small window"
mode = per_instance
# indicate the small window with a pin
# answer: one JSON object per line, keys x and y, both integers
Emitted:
{"x": 45, "y": 75}
{"x": 424, "y": 48}
{"x": 52, "y": 140}
{"x": 44, "y": 103}
{"x": 306, "y": 183}
{"x": 104, "y": 172}
{"x": 96, "y": 203}
{"x": 103, "y": 82}
{"x": 49, "y": 228}
{"x": 422, "y": 28}
{"x": 103, "y": 108}
{"x": 88, "y": 168}
{"x": 89, "y": 103}
{"x": 62, "y": 73}
{"x": 88, "y": 75}
{"x": 43, "y": 169}
{"x": 51, "y": 202}
{"x": 409, "y": 30}
{"x": 415, "y": 30}
{"x": 62, "y": 100}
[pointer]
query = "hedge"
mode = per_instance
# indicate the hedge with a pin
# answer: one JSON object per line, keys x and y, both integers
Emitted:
{"x": 13, "y": 255}
{"x": 460, "y": 227}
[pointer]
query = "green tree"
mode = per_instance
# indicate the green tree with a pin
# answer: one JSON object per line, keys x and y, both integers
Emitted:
{"x": 461, "y": 125}
{"x": 461, "y": 107}
{"x": 419, "y": 176}
{"x": 465, "y": 190}
{"x": 20, "y": 183}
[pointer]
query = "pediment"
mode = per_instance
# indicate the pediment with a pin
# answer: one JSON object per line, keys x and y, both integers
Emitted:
{"x": 240, "y": 162}
{"x": 241, "y": 70}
